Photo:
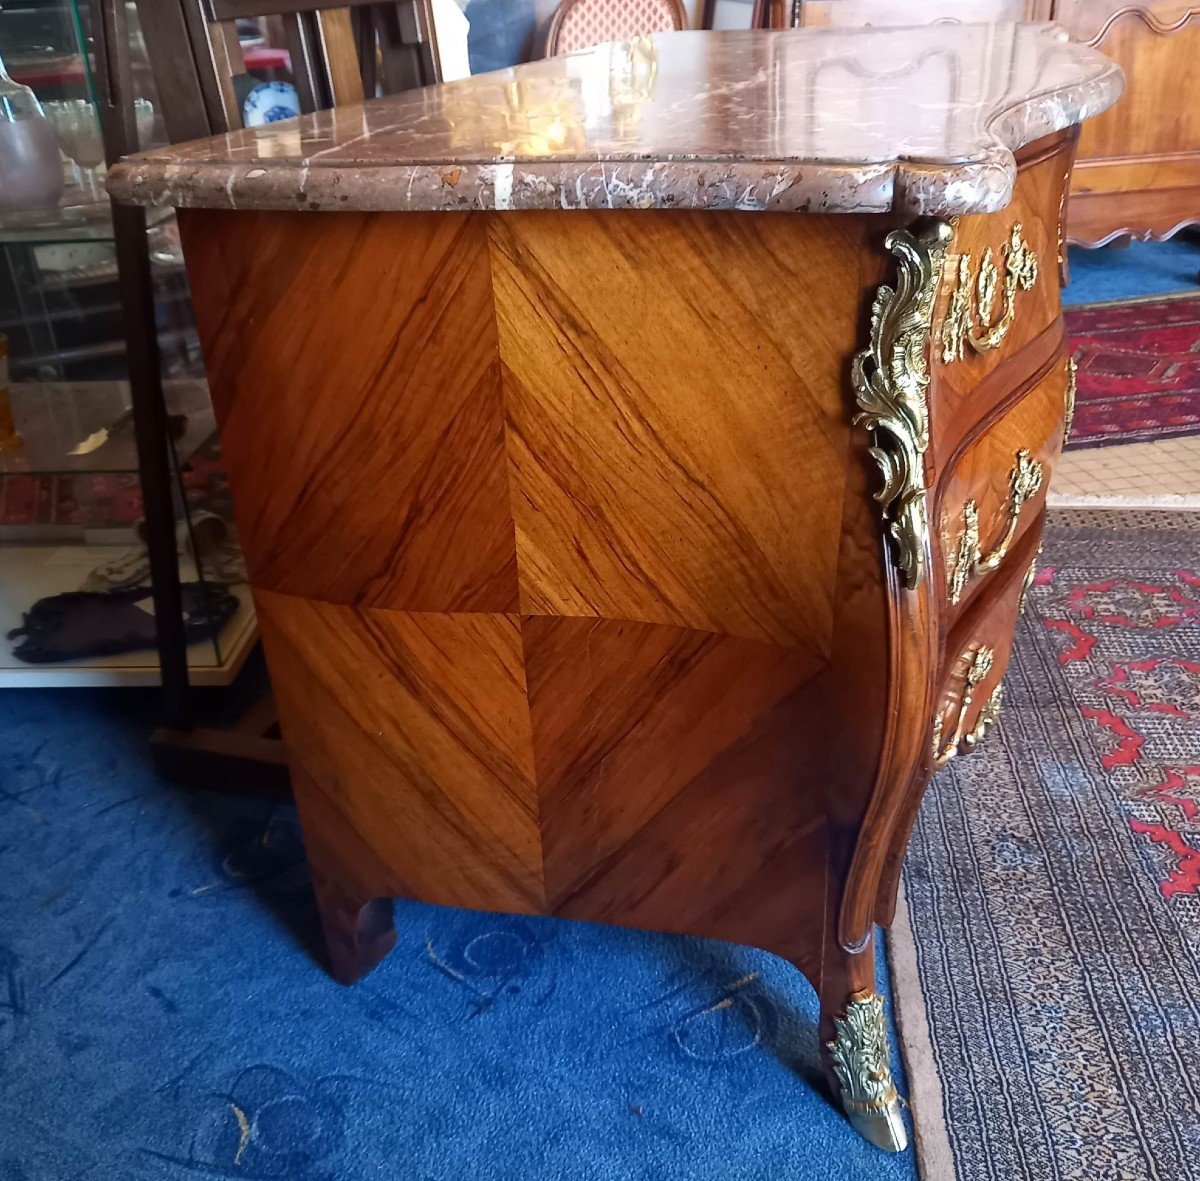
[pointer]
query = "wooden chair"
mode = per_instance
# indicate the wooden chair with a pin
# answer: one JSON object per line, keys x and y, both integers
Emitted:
{"x": 578, "y": 24}
{"x": 339, "y": 53}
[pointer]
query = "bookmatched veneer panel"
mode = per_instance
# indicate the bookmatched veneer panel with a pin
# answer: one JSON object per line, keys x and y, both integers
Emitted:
{"x": 365, "y": 475}
{"x": 676, "y": 418}
{"x": 628, "y": 716}
{"x": 415, "y": 728}
{"x": 739, "y": 853}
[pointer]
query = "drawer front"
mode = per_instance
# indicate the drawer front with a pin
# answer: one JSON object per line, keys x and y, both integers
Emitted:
{"x": 999, "y": 296}
{"x": 977, "y": 655}
{"x": 997, "y": 486}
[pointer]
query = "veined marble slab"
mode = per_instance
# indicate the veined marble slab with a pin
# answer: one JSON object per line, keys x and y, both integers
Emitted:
{"x": 918, "y": 120}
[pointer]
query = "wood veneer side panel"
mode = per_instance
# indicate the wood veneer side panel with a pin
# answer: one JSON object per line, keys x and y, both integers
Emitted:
{"x": 632, "y": 718}
{"x": 355, "y": 374}
{"x": 411, "y": 731}
{"x": 740, "y": 854}
{"x": 679, "y": 743}
{"x": 676, "y": 415}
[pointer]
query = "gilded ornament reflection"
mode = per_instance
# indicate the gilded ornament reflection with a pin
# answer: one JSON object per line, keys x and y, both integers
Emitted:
{"x": 631, "y": 79}
{"x": 1069, "y": 417}
{"x": 527, "y": 117}
{"x": 989, "y": 715}
{"x": 1030, "y": 575}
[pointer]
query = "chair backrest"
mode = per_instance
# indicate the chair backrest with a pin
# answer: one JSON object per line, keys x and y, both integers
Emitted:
{"x": 338, "y": 53}
{"x": 578, "y": 24}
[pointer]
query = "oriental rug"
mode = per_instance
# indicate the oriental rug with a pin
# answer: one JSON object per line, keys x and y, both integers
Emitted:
{"x": 1047, "y": 947}
{"x": 1139, "y": 370}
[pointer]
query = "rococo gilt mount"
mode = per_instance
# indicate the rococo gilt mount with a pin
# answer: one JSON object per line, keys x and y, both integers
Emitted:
{"x": 640, "y": 456}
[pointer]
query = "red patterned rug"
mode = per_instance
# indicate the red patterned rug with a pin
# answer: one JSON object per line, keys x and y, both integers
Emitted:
{"x": 1048, "y": 948}
{"x": 1139, "y": 370}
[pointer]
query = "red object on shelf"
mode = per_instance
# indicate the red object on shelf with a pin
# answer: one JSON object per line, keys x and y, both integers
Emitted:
{"x": 70, "y": 70}
{"x": 54, "y": 74}
{"x": 264, "y": 57}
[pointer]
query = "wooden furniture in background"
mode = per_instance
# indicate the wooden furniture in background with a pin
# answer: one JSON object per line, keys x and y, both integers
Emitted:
{"x": 1137, "y": 174}
{"x": 796, "y": 14}
{"x": 1138, "y": 171}
{"x": 565, "y": 527}
{"x": 578, "y": 24}
{"x": 766, "y": 14}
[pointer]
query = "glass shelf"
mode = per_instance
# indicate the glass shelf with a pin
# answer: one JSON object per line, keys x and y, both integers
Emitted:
{"x": 78, "y": 426}
{"x": 81, "y": 216}
{"x": 29, "y": 572}
{"x": 71, "y": 504}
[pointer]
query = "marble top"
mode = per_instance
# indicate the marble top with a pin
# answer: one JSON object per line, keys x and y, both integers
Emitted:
{"x": 918, "y": 120}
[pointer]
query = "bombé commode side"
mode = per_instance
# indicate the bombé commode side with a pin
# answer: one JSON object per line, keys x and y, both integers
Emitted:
{"x": 637, "y": 522}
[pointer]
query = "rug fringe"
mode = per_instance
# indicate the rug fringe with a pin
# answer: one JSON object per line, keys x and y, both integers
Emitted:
{"x": 931, "y": 1137}
{"x": 1167, "y": 501}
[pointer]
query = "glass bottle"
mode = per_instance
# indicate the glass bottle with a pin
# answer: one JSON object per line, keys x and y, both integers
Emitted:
{"x": 31, "y": 172}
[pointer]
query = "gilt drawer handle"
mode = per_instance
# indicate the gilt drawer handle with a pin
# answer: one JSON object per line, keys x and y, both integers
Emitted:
{"x": 979, "y": 664}
{"x": 969, "y": 561}
{"x": 989, "y": 715}
{"x": 978, "y": 325}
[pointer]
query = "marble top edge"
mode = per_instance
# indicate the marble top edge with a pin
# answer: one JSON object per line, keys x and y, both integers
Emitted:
{"x": 919, "y": 120}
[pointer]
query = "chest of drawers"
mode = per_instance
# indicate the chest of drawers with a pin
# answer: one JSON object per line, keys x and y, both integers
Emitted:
{"x": 637, "y": 496}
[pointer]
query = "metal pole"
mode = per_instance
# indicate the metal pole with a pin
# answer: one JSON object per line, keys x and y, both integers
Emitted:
{"x": 117, "y": 121}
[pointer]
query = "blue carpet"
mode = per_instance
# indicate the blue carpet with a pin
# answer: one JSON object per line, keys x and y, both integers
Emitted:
{"x": 1139, "y": 269}
{"x": 164, "y": 1016}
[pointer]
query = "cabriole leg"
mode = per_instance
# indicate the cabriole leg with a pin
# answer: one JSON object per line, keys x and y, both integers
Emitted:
{"x": 856, "y": 1048}
{"x": 859, "y": 1059}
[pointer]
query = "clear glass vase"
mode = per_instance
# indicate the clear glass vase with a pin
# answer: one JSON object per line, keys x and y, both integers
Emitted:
{"x": 31, "y": 172}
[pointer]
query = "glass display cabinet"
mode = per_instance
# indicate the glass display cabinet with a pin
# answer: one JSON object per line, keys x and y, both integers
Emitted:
{"x": 75, "y": 605}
